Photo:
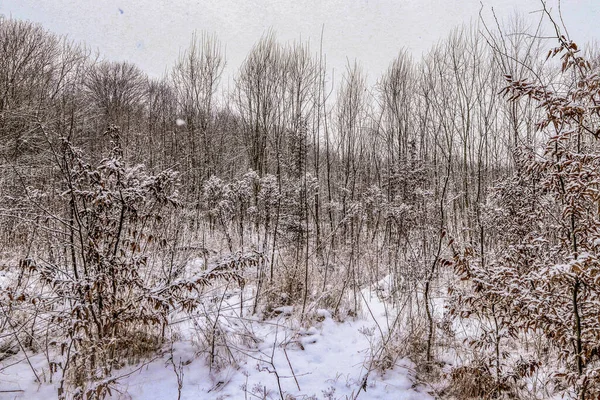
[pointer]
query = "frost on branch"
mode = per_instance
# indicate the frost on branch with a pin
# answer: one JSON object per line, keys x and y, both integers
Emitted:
{"x": 107, "y": 301}
{"x": 544, "y": 277}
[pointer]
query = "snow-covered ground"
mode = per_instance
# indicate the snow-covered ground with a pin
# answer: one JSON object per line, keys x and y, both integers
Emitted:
{"x": 325, "y": 359}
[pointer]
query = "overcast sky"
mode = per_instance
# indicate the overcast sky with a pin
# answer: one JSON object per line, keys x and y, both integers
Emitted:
{"x": 151, "y": 33}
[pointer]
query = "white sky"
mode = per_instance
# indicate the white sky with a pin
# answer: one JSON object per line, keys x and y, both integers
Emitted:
{"x": 151, "y": 33}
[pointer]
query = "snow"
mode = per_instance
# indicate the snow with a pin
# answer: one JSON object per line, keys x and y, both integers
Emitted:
{"x": 328, "y": 358}
{"x": 319, "y": 358}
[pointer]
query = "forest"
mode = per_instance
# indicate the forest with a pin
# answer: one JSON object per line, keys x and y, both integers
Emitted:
{"x": 455, "y": 203}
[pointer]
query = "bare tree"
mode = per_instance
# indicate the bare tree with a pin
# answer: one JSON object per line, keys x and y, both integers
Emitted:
{"x": 196, "y": 77}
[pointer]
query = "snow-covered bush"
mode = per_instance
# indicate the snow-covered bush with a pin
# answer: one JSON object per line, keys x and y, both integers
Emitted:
{"x": 544, "y": 277}
{"x": 104, "y": 301}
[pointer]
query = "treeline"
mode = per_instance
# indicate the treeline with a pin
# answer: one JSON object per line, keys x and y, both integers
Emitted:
{"x": 332, "y": 145}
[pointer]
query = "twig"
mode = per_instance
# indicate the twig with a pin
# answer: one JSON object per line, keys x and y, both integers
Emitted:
{"x": 37, "y": 377}
{"x": 291, "y": 369}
